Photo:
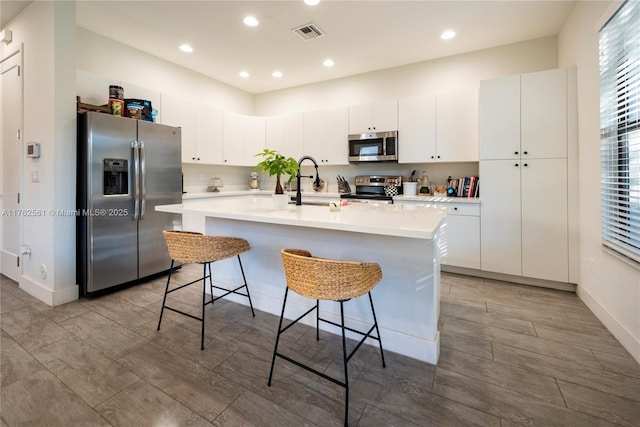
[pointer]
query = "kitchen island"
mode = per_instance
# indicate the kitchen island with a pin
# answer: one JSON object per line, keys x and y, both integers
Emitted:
{"x": 403, "y": 239}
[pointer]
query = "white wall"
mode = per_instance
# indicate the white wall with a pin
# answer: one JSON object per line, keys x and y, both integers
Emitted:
{"x": 120, "y": 63}
{"x": 610, "y": 287}
{"x": 436, "y": 76}
{"x": 47, "y": 30}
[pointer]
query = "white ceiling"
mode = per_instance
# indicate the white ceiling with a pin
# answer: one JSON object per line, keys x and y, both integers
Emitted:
{"x": 361, "y": 36}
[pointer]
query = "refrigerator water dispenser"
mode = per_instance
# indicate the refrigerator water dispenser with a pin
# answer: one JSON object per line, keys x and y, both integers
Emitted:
{"x": 116, "y": 177}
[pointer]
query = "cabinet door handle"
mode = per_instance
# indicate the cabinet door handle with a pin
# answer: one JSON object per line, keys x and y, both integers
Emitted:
{"x": 525, "y": 153}
{"x": 432, "y": 157}
{"x": 517, "y": 165}
{"x": 455, "y": 209}
{"x": 516, "y": 153}
{"x": 525, "y": 165}
{"x": 193, "y": 158}
{"x": 438, "y": 156}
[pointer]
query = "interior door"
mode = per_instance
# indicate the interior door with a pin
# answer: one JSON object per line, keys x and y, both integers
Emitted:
{"x": 161, "y": 185}
{"x": 11, "y": 159}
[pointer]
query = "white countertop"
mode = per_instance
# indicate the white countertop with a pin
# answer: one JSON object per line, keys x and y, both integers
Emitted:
{"x": 411, "y": 221}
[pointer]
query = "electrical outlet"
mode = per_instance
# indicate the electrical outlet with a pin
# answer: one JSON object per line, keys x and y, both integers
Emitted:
{"x": 43, "y": 271}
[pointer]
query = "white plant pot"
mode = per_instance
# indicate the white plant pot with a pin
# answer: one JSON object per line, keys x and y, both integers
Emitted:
{"x": 280, "y": 201}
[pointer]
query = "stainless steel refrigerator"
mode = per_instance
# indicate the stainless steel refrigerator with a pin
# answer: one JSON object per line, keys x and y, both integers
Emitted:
{"x": 125, "y": 168}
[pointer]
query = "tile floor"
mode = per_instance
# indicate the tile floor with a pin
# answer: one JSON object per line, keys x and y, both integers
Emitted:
{"x": 511, "y": 355}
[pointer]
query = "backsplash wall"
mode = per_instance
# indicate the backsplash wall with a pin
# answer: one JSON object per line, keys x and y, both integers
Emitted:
{"x": 196, "y": 177}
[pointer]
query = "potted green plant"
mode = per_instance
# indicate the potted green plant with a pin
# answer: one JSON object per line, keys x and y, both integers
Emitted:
{"x": 276, "y": 164}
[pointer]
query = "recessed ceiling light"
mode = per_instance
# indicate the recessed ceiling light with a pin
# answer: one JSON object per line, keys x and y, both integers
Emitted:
{"x": 185, "y": 48}
{"x": 277, "y": 74}
{"x": 448, "y": 35}
{"x": 312, "y": 2}
{"x": 328, "y": 63}
{"x": 243, "y": 74}
{"x": 250, "y": 21}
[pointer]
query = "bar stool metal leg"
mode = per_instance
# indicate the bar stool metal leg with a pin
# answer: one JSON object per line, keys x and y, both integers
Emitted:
{"x": 246, "y": 287}
{"x": 344, "y": 362}
{"x": 231, "y": 291}
{"x": 375, "y": 322}
{"x": 204, "y": 297}
{"x": 164, "y": 300}
{"x": 317, "y": 320}
{"x": 275, "y": 349}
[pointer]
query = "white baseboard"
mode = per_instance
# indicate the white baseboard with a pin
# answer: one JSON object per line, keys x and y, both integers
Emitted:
{"x": 561, "y": 286}
{"x": 48, "y": 296}
{"x": 619, "y": 331}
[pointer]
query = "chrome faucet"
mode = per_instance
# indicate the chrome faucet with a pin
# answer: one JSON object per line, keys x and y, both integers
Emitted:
{"x": 316, "y": 182}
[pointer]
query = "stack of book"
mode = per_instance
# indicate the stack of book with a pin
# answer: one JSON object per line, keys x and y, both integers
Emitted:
{"x": 469, "y": 186}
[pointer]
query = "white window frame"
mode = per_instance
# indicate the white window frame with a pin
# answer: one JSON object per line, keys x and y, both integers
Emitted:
{"x": 620, "y": 131}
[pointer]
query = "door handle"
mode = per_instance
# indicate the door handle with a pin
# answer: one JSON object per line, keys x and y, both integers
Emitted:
{"x": 143, "y": 181}
{"x": 136, "y": 174}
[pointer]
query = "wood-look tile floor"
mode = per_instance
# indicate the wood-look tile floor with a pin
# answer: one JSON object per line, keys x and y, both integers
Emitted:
{"x": 510, "y": 355}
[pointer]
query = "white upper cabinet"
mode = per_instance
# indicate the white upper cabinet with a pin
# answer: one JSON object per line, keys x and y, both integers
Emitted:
{"x": 254, "y": 139}
{"x": 208, "y": 141}
{"x": 243, "y": 138}
{"x": 439, "y": 128}
{"x": 233, "y": 138}
{"x": 524, "y": 116}
{"x": 544, "y": 114}
{"x": 325, "y": 135}
{"x": 181, "y": 113}
{"x": 457, "y": 126}
{"x": 201, "y": 129}
{"x": 500, "y": 118}
{"x": 379, "y": 116}
{"x": 284, "y": 134}
{"x": 417, "y": 129}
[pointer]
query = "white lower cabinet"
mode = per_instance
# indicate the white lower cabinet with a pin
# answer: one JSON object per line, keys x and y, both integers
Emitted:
{"x": 524, "y": 222}
{"x": 460, "y": 238}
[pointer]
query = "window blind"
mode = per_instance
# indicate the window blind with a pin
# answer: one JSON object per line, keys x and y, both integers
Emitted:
{"x": 620, "y": 130}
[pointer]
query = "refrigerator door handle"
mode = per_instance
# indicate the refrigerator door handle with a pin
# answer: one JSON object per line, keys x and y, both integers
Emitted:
{"x": 136, "y": 179}
{"x": 143, "y": 181}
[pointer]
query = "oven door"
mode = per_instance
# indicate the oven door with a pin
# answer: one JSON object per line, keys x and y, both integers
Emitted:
{"x": 369, "y": 149}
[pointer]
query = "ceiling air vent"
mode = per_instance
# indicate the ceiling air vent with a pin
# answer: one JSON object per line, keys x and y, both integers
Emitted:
{"x": 308, "y": 31}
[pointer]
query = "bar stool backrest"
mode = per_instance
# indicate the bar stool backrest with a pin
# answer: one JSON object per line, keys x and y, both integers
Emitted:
{"x": 326, "y": 279}
{"x": 191, "y": 247}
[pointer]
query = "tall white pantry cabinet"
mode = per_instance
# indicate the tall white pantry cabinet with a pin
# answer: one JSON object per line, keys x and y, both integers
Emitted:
{"x": 527, "y": 164}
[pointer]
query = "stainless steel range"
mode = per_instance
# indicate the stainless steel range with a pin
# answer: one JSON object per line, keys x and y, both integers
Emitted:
{"x": 375, "y": 188}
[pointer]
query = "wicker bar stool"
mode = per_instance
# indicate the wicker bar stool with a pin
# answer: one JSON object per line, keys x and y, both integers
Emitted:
{"x": 188, "y": 247}
{"x": 332, "y": 280}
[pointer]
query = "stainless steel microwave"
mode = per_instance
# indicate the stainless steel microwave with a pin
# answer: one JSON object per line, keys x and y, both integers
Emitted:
{"x": 373, "y": 147}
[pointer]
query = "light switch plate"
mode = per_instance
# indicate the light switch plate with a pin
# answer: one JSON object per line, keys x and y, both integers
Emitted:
{"x": 35, "y": 176}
